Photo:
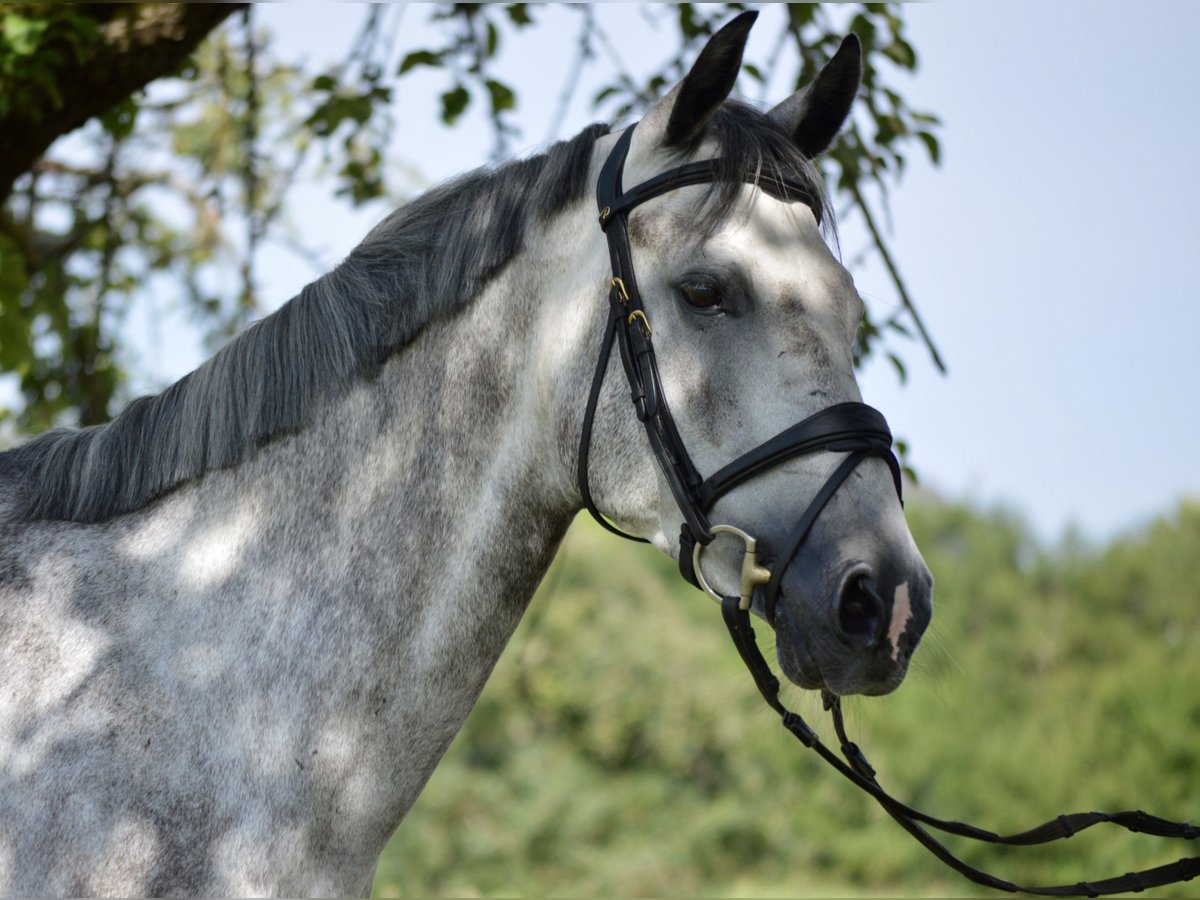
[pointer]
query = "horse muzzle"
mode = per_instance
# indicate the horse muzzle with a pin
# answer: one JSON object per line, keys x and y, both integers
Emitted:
{"x": 850, "y": 633}
{"x": 856, "y": 632}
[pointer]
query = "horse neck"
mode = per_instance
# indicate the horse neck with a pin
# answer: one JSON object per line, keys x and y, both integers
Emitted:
{"x": 367, "y": 572}
{"x": 440, "y": 500}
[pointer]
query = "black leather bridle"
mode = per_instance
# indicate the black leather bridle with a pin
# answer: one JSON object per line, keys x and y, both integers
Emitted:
{"x": 851, "y": 428}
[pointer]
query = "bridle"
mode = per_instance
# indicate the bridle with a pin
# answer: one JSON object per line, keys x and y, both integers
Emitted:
{"x": 855, "y": 429}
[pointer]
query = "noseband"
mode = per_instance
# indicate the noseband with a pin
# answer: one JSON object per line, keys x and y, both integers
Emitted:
{"x": 851, "y": 428}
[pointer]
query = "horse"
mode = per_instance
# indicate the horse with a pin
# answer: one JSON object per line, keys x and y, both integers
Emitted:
{"x": 242, "y": 622}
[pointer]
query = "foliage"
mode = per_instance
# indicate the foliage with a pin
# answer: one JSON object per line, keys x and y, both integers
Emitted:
{"x": 621, "y": 750}
{"x": 137, "y": 197}
{"x": 34, "y": 46}
{"x": 174, "y": 189}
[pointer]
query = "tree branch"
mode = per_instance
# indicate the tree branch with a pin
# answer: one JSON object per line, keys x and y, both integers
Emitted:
{"x": 885, "y": 254}
{"x": 133, "y": 48}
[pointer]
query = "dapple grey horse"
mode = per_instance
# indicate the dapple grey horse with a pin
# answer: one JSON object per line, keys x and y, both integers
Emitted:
{"x": 241, "y": 623}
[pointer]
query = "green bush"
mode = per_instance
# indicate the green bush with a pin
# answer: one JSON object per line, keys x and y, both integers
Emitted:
{"x": 621, "y": 750}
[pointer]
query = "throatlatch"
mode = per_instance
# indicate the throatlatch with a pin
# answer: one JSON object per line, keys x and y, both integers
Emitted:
{"x": 851, "y": 428}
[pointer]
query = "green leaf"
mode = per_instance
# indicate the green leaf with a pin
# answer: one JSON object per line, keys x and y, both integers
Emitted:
{"x": 901, "y": 53}
{"x": 931, "y": 144}
{"x": 519, "y": 14}
{"x": 454, "y": 102}
{"x": 493, "y": 40}
{"x": 360, "y": 108}
{"x": 754, "y": 72}
{"x": 800, "y": 14}
{"x": 865, "y": 29}
{"x": 604, "y": 94}
{"x": 324, "y": 83}
{"x": 690, "y": 26}
{"x": 502, "y": 96}
{"x": 23, "y": 35}
{"x": 121, "y": 119}
{"x": 420, "y": 58}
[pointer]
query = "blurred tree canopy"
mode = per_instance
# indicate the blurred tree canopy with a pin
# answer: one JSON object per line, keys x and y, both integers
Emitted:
{"x": 153, "y": 145}
{"x": 1051, "y": 680}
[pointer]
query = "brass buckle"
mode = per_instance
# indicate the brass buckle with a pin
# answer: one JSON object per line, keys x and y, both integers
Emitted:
{"x": 638, "y": 314}
{"x": 752, "y": 573}
{"x": 621, "y": 292}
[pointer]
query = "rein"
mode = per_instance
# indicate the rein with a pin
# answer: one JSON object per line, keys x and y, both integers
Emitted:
{"x": 853, "y": 766}
{"x": 852, "y": 428}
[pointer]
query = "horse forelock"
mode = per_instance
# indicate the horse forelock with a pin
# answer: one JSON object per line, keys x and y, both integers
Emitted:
{"x": 745, "y": 140}
{"x": 425, "y": 261}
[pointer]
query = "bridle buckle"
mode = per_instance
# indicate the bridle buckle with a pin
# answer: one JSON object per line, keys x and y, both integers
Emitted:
{"x": 638, "y": 314}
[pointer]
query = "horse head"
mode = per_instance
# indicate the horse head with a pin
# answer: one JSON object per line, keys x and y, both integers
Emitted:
{"x": 751, "y": 321}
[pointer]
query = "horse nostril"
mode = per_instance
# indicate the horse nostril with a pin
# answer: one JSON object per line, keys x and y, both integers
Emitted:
{"x": 860, "y": 612}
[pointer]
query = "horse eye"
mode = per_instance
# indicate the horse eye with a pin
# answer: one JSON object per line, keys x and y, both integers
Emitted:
{"x": 701, "y": 295}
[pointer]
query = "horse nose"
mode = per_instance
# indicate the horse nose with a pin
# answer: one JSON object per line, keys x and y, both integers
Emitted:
{"x": 853, "y": 629}
{"x": 861, "y": 613}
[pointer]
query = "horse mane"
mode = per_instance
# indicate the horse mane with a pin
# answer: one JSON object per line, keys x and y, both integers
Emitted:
{"x": 426, "y": 260}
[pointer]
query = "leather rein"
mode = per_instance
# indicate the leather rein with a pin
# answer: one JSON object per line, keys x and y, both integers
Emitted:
{"x": 855, "y": 429}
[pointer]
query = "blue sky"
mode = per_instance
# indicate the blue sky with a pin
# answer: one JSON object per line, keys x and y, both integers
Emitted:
{"x": 1051, "y": 254}
{"x": 1054, "y": 258}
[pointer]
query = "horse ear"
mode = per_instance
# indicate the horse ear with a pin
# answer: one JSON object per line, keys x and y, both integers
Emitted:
{"x": 814, "y": 115}
{"x": 691, "y": 102}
